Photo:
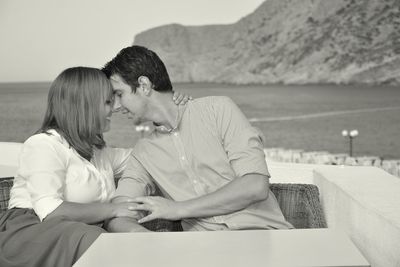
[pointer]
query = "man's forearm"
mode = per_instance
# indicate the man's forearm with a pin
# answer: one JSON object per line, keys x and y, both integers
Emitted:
{"x": 234, "y": 196}
{"x": 124, "y": 224}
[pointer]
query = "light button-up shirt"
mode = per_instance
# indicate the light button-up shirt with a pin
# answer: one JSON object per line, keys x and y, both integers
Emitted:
{"x": 213, "y": 144}
{"x": 50, "y": 172}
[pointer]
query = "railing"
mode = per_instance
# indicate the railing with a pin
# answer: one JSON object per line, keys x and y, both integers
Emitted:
{"x": 391, "y": 166}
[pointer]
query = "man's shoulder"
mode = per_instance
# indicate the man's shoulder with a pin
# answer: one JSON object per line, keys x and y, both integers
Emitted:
{"x": 211, "y": 101}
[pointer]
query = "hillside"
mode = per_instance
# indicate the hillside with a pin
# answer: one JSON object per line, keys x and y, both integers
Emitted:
{"x": 288, "y": 41}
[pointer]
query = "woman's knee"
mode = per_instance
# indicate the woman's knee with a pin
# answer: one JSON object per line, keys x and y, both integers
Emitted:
{"x": 92, "y": 232}
{"x": 88, "y": 234}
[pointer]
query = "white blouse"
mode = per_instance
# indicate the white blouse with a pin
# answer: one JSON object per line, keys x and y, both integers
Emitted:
{"x": 50, "y": 172}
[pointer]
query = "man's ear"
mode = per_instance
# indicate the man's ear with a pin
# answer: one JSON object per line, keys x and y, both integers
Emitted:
{"x": 145, "y": 85}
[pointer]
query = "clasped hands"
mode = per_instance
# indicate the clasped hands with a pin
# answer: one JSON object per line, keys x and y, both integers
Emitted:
{"x": 156, "y": 207}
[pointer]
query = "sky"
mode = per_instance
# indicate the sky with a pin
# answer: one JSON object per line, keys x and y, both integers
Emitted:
{"x": 40, "y": 38}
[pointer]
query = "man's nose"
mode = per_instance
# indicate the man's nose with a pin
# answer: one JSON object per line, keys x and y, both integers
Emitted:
{"x": 117, "y": 105}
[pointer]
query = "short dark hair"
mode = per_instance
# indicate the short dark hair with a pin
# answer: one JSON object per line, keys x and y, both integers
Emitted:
{"x": 135, "y": 61}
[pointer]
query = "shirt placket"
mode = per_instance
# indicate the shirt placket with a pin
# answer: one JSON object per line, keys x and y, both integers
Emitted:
{"x": 101, "y": 180}
{"x": 196, "y": 182}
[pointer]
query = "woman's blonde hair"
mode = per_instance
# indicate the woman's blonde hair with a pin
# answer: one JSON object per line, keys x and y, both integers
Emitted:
{"x": 76, "y": 99}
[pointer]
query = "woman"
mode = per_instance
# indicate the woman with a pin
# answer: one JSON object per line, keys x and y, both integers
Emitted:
{"x": 65, "y": 177}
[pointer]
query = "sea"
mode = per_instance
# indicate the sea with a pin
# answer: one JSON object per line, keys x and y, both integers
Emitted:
{"x": 305, "y": 117}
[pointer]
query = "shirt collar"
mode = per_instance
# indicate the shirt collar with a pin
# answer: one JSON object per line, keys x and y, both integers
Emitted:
{"x": 165, "y": 129}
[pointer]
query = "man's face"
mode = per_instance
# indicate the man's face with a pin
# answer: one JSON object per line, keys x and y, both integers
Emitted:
{"x": 133, "y": 102}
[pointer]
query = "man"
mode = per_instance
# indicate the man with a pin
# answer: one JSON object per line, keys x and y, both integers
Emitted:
{"x": 204, "y": 156}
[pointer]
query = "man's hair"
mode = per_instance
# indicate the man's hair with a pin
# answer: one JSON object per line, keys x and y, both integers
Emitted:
{"x": 135, "y": 61}
{"x": 75, "y": 101}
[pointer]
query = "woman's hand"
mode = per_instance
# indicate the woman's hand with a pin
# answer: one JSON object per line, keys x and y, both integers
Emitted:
{"x": 159, "y": 208}
{"x": 181, "y": 99}
{"x": 126, "y": 209}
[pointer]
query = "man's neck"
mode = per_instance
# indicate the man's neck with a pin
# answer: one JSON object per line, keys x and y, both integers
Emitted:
{"x": 165, "y": 111}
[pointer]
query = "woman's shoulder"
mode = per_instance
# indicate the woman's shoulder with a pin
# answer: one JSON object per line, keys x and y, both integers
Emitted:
{"x": 50, "y": 137}
{"x": 43, "y": 146}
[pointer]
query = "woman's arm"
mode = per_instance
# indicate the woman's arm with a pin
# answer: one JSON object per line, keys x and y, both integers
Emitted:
{"x": 43, "y": 165}
{"x": 91, "y": 213}
{"x": 180, "y": 98}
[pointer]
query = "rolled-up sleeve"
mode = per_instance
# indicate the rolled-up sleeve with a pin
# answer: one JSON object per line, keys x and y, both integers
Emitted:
{"x": 135, "y": 180}
{"x": 242, "y": 142}
{"x": 44, "y": 169}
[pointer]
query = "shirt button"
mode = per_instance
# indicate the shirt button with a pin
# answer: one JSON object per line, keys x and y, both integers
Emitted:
{"x": 176, "y": 134}
{"x": 182, "y": 158}
{"x": 195, "y": 181}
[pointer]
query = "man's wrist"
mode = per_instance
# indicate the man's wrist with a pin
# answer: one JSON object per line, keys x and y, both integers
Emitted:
{"x": 182, "y": 210}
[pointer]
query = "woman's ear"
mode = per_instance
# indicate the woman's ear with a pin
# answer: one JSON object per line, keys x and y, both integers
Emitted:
{"x": 145, "y": 85}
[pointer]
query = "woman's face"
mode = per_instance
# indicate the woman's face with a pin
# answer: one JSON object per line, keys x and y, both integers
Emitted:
{"x": 105, "y": 117}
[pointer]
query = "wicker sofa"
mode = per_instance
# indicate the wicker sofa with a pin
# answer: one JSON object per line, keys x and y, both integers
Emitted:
{"x": 299, "y": 204}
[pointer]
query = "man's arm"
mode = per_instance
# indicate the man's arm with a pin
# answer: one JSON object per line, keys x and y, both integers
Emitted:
{"x": 234, "y": 196}
{"x": 91, "y": 213}
{"x": 124, "y": 224}
{"x": 135, "y": 182}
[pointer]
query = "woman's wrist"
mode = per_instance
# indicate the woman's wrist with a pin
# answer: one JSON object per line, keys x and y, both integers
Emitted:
{"x": 111, "y": 209}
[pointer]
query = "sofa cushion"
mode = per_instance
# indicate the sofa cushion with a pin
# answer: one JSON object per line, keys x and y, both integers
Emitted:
{"x": 5, "y": 186}
{"x": 299, "y": 204}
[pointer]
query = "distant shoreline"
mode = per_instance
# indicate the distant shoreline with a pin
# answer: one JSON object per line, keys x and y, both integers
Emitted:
{"x": 232, "y": 84}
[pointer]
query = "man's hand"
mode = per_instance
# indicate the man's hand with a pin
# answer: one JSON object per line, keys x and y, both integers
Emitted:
{"x": 125, "y": 217}
{"x": 159, "y": 208}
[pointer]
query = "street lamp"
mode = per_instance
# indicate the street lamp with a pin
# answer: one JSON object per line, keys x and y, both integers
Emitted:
{"x": 141, "y": 129}
{"x": 351, "y": 135}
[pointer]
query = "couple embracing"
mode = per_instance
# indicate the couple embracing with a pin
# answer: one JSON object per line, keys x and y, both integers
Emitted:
{"x": 203, "y": 155}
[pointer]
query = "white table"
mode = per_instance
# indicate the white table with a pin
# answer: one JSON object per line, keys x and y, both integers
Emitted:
{"x": 255, "y": 248}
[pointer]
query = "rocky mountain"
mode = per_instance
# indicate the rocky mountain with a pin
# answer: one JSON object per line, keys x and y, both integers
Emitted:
{"x": 288, "y": 41}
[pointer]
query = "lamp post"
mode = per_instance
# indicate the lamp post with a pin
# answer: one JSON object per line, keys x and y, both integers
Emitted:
{"x": 351, "y": 135}
{"x": 141, "y": 129}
